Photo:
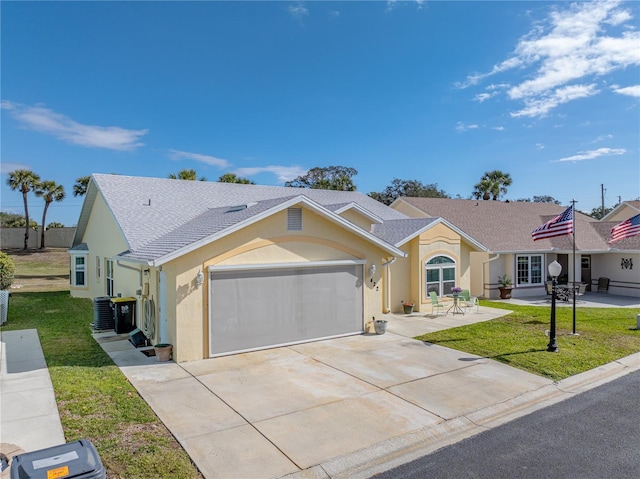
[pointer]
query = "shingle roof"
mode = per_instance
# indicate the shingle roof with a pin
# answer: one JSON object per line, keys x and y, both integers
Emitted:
{"x": 158, "y": 215}
{"x": 507, "y": 226}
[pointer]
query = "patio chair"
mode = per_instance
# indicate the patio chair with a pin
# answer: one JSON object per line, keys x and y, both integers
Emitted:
{"x": 468, "y": 301}
{"x": 603, "y": 285}
{"x": 581, "y": 289}
{"x": 435, "y": 304}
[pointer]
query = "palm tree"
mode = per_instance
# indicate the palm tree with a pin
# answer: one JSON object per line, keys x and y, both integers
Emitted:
{"x": 80, "y": 188}
{"x": 25, "y": 181}
{"x": 50, "y": 191}
{"x": 233, "y": 178}
{"x": 186, "y": 174}
{"x": 492, "y": 185}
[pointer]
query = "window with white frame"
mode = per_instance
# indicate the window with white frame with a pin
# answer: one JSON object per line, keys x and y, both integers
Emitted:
{"x": 79, "y": 269}
{"x": 108, "y": 266}
{"x": 440, "y": 275}
{"x": 529, "y": 269}
{"x": 98, "y": 267}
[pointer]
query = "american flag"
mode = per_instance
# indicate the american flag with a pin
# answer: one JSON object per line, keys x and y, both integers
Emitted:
{"x": 558, "y": 226}
{"x": 626, "y": 229}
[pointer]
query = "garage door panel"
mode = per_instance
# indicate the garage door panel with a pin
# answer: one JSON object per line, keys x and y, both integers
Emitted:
{"x": 252, "y": 309}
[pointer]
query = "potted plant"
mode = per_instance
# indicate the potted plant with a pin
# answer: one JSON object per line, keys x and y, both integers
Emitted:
{"x": 163, "y": 351}
{"x": 505, "y": 286}
{"x": 380, "y": 325}
{"x": 408, "y": 307}
{"x": 7, "y": 269}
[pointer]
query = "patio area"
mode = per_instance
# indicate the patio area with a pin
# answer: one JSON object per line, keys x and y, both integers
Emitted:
{"x": 587, "y": 300}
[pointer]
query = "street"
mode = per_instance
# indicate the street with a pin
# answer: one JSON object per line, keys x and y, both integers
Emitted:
{"x": 593, "y": 435}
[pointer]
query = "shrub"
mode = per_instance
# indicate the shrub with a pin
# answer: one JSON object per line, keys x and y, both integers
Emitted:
{"x": 7, "y": 270}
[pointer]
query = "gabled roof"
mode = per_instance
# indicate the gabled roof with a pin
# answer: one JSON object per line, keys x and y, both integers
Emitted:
{"x": 505, "y": 227}
{"x": 398, "y": 232}
{"x": 633, "y": 206}
{"x": 161, "y": 218}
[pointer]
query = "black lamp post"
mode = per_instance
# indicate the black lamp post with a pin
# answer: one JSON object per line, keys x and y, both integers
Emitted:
{"x": 554, "y": 271}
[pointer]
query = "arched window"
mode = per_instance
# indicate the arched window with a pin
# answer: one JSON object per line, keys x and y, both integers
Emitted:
{"x": 440, "y": 275}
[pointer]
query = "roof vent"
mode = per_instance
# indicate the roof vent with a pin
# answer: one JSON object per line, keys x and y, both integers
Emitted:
{"x": 233, "y": 209}
{"x": 294, "y": 219}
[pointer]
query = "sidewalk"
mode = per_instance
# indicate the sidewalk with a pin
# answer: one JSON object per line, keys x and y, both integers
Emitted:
{"x": 29, "y": 419}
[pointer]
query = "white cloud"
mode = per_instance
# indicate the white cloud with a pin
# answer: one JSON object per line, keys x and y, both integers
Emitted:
{"x": 629, "y": 90}
{"x": 481, "y": 97}
{"x": 283, "y": 173}
{"x": 539, "y": 146}
{"x": 42, "y": 119}
{"x": 6, "y": 167}
{"x": 572, "y": 45}
{"x": 462, "y": 127}
{"x": 298, "y": 11}
{"x": 206, "y": 159}
{"x": 592, "y": 154}
{"x": 602, "y": 138}
{"x": 499, "y": 128}
{"x": 539, "y": 106}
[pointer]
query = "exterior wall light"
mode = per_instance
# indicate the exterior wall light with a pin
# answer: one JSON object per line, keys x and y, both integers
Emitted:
{"x": 199, "y": 279}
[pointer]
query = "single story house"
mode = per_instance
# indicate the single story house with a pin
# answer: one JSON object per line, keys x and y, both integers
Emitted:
{"x": 221, "y": 268}
{"x": 504, "y": 228}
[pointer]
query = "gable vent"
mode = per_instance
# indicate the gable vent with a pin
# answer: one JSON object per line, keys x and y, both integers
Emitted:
{"x": 294, "y": 219}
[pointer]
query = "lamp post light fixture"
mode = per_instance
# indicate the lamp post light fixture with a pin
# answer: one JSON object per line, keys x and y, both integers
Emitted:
{"x": 554, "y": 271}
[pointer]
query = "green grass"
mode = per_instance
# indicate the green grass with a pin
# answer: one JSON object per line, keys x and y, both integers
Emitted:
{"x": 94, "y": 398}
{"x": 519, "y": 340}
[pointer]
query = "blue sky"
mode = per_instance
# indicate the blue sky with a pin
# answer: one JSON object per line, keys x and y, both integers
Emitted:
{"x": 435, "y": 91}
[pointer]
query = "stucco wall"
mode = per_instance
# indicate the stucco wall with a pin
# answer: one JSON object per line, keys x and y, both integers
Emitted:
{"x": 266, "y": 242}
{"x": 623, "y": 281}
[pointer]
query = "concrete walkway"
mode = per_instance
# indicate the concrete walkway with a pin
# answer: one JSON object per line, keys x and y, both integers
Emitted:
{"x": 29, "y": 418}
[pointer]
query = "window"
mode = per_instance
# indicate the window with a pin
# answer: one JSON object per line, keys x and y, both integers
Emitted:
{"x": 528, "y": 270}
{"x": 109, "y": 276}
{"x": 78, "y": 269}
{"x": 98, "y": 268}
{"x": 440, "y": 275}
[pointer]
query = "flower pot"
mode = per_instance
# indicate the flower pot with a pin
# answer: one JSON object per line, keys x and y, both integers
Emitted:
{"x": 163, "y": 352}
{"x": 380, "y": 325}
{"x": 408, "y": 308}
{"x": 505, "y": 292}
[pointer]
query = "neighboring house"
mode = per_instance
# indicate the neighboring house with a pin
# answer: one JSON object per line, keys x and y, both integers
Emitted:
{"x": 220, "y": 268}
{"x": 623, "y": 211}
{"x": 504, "y": 228}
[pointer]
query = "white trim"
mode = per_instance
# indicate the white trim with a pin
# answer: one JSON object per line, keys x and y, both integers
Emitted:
{"x": 363, "y": 211}
{"x": 310, "y": 264}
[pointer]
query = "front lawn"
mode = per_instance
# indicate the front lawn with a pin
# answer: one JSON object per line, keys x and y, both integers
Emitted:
{"x": 519, "y": 340}
{"x": 94, "y": 398}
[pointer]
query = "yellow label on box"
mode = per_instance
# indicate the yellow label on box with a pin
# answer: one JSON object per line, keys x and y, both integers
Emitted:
{"x": 58, "y": 472}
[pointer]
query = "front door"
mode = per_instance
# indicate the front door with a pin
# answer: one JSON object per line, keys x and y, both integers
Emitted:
{"x": 585, "y": 270}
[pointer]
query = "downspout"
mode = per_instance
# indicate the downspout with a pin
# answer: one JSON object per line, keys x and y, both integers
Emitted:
{"x": 387, "y": 283}
{"x": 483, "y": 265}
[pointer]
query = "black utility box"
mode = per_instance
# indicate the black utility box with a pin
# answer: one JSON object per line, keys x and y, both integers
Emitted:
{"x": 124, "y": 315}
{"x": 77, "y": 459}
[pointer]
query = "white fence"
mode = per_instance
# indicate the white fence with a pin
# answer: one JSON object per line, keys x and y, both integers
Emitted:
{"x": 53, "y": 238}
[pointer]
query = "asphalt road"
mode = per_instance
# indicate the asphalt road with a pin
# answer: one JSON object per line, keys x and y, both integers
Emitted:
{"x": 595, "y": 434}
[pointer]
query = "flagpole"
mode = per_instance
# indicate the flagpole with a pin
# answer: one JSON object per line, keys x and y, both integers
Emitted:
{"x": 573, "y": 215}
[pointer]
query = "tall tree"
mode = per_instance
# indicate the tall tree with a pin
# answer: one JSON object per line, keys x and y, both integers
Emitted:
{"x": 24, "y": 181}
{"x": 492, "y": 185}
{"x": 232, "y": 178}
{"x": 411, "y": 188}
{"x": 80, "y": 188}
{"x": 50, "y": 191}
{"x": 186, "y": 174}
{"x": 327, "y": 178}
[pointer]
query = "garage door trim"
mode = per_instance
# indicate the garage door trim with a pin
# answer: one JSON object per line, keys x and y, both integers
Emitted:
{"x": 308, "y": 264}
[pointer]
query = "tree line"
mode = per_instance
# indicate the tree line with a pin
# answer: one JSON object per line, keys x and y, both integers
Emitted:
{"x": 493, "y": 185}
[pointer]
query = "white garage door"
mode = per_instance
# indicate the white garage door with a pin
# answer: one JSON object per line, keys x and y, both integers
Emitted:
{"x": 266, "y": 307}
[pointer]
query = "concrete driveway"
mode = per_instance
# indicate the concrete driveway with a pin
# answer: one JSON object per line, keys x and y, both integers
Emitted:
{"x": 328, "y": 408}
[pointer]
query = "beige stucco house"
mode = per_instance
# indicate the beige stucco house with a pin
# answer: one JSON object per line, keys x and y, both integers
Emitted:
{"x": 219, "y": 268}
